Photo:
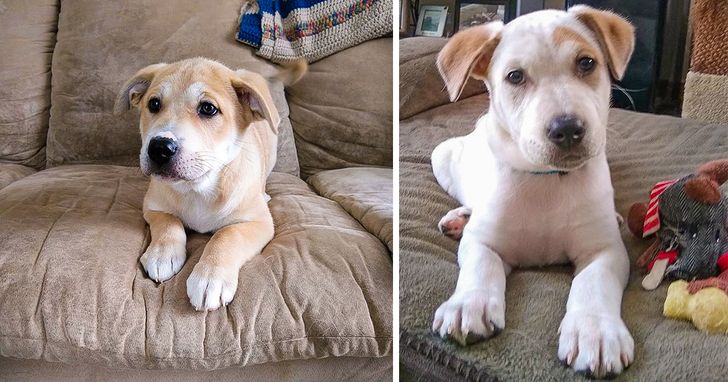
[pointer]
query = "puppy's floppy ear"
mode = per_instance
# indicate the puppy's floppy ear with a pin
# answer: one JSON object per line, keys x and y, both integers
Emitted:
{"x": 252, "y": 91}
{"x": 468, "y": 54}
{"x": 615, "y": 35}
{"x": 134, "y": 88}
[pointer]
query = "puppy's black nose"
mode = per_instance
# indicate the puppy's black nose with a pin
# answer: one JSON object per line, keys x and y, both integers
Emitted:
{"x": 566, "y": 131}
{"x": 161, "y": 150}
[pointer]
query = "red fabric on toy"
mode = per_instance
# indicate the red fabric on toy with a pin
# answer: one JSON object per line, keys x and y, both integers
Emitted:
{"x": 652, "y": 217}
{"x": 670, "y": 256}
{"x": 723, "y": 262}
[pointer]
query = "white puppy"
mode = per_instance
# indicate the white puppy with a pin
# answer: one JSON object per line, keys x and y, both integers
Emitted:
{"x": 533, "y": 177}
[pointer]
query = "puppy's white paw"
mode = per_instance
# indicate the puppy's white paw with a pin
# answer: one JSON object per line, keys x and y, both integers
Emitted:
{"x": 596, "y": 345}
{"x": 161, "y": 262}
{"x": 453, "y": 223}
{"x": 470, "y": 317}
{"x": 210, "y": 287}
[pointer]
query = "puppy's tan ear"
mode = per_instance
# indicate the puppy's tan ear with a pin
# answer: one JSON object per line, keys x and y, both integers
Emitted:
{"x": 133, "y": 90}
{"x": 615, "y": 35}
{"x": 468, "y": 54}
{"x": 252, "y": 91}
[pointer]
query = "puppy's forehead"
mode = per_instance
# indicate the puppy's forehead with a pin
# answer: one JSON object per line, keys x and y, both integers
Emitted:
{"x": 547, "y": 34}
{"x": 195, "y": 90}
{"x": 192, "y": 79}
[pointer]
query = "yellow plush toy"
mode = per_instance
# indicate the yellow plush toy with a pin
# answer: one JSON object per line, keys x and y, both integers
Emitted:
{"x": 707, "y": 308}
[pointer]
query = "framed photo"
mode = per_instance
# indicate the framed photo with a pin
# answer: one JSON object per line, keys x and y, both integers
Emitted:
{"x": 431, "y": 21}
{"x": 476, "y": 12}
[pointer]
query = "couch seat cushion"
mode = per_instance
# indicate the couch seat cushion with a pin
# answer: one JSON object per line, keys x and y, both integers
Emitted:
{"x": 101, "y": 44}
{"x": 9, "y": 173}
{"x": 364, "y": 192}
{"x": 642, "y": 150}
{"x": 72, "y": 288}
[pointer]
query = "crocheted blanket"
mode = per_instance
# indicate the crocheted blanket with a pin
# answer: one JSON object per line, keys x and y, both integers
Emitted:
{"x": 286, "y": 30}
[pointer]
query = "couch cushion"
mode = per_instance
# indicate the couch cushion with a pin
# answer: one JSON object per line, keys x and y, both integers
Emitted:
{"x": 364, "y": 192}
{"x": 28, "y": 30}
{"x": 72, "y": 288}
{"x": 102, "y": 44}
{"x": 342, "y": 109}
{"x": 9, "y": 173}
{"x": 642, "y": 150}
{"x": 350, "y": 369}
{"x": 420, "y": 85}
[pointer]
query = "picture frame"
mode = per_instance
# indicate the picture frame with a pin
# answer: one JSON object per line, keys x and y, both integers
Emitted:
{"x": 475, "y": 12}
{"x": 431, "y": 21}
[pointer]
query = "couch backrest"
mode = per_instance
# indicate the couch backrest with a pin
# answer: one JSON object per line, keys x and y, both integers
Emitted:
{"x": 27, "y": 37}
{"x": 102, "y": 43}
{"x": 420, "y": 86}
{"x": 341, "y": 110}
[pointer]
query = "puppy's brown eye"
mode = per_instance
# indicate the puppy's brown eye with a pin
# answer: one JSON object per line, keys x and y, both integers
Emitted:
{"x": 154, "y": 105}
{"x": 207, "y": 109}
{"x": 515, "y": 77}
{"x": 585, "y": 64}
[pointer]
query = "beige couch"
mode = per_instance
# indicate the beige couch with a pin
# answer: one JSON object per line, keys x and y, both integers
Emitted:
{"x": 642, "y": 149}
{"x": 316, "y": 305}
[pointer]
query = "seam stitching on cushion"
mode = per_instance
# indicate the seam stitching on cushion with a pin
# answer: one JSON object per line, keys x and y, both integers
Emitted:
{"x": 204, "y": 358}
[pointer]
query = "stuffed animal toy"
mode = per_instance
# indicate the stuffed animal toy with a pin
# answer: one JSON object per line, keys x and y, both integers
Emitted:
{"x": 689, "y": 216}
{"x": 707, "y": 308}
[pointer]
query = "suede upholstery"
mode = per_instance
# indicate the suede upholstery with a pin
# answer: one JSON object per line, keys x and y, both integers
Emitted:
{"x": 27, "y": 37}
{"x": 101, "y": 44}
{"x": 365, "y": 193}
{"x": 350, "y": 369}
{"x": 9, "y": 173}
{"x": 73, "y": 289}
{"x": 421, "y": 87}
{"x": 341, "y": 110}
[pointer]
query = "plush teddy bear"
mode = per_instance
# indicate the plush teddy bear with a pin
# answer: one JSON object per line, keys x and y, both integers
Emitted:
{"x": 689, "y": 216}
{"x": 707, "y": 308}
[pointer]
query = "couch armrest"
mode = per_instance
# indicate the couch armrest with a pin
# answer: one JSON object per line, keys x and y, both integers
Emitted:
{"x": 420, "y": 85}
{"x": 364, "y": 192}
{"x": 9, "y": 173}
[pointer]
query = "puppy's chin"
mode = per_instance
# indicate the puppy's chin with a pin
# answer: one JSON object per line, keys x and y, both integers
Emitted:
{"x": 553, "y": 158}
{"x": 169, "y": 174}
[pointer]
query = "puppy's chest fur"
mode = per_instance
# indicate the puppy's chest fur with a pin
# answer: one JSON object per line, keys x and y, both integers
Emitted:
{"x": 535, "y": 219}
{"x": 200, "y": 211}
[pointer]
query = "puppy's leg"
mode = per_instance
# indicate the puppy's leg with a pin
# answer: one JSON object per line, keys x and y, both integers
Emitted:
{"x": 445, "y": 162}
{"x": 167, "y": 252}
{"x": 593, "y": 338}
{"x": 214, "y": 280}
{"x": 476, "y": 310}
{"x": 453, "y": 223}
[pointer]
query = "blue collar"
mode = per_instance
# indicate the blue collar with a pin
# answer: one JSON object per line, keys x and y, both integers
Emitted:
{"x": 552, "y": 172}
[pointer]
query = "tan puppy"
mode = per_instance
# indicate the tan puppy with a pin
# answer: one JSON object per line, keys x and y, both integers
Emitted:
{"x": 209, "y": 144}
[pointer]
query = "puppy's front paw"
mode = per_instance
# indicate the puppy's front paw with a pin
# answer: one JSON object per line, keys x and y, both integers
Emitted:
{"x": 596, "y": 345}
{"x": 161, "y": 262}
{"x": 210, "y": 287}
{"x": 453, "y": 223}
{"x": 470, "y": 317}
